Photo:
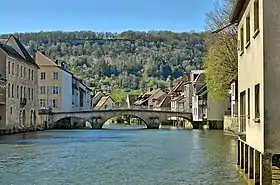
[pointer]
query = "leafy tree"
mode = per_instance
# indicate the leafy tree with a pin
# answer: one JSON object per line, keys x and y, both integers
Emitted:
{"x": 132, "y": 59}
{"x": 221, "y": 59}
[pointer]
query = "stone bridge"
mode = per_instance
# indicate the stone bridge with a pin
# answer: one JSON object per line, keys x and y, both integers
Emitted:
{"x": 152, "y": 118}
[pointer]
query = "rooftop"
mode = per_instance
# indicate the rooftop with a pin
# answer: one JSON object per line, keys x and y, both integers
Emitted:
{"x": 236, "y": 10}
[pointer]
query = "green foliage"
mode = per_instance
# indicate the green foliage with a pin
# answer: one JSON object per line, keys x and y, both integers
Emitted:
{"x": 221, "y": 61}
{"x": 118, "y": 95}
{"x": 126, "y": 60}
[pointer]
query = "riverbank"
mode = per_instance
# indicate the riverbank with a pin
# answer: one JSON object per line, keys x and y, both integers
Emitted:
{"x": 21, "y": 129}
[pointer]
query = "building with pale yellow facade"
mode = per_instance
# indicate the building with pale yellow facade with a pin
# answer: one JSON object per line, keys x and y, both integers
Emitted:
{"x": 59, "y": 89}
{"x": 258, "y": 87}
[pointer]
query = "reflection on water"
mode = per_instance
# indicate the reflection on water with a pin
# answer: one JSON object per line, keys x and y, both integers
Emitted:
{"x": 120, "y": 155}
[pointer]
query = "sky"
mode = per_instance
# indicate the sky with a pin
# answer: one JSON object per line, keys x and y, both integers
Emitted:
{"x": 103, "y": 15}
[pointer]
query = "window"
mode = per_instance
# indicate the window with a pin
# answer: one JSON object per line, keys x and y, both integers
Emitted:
{"x": 11, "y": 110}
{"x": 256, "y": 16}
{"x": 257, "y": 101}
{"x": 9, "y": 91}
{"x": 29, "y": 93}
{"x": 12, "y": 90}
{"x": 54, "y": 103}
{"x": 32, "y": 94}
{"x": 9, "y": 67}
{"x": 18, "y": 70}
{"x": 241, "y": 39}
{"x": 43, "y": 75}
{"x": 13, "y": 68}
{"x": 17, "y": 91}
{"x": 43, "y": 90}
{"x": 43, "y": 103}
{"x": 55, "y": 75}
{"x": 21, "y": 71}
{"x": 248, "y": 29}
{"x": 24, "y": 72}
{"x": 24, "y": 92}
{"x": 248, "y": 102}
{"x": 21, "y": 92}
{"x": 55, "y": 89}
{"x": 29, "y": 74}
{"x": 32, "y": 74}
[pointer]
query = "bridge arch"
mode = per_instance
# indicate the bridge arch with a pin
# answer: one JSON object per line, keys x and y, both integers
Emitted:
{"x": 69, "y": 122}
{"x": 181, "y": 121}
{"x": 152, "y": 118}
{"x": 130, "y": 115}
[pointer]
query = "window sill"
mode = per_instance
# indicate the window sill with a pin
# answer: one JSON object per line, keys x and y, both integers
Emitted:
{"x": 257, "y": 31}
{"x": 247, "y": 44}
{"x": 257, "y": 120}
{"x": 241, "y": 53}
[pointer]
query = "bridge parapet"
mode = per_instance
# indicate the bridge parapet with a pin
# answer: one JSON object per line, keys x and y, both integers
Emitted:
{"x": 152, "y": 118}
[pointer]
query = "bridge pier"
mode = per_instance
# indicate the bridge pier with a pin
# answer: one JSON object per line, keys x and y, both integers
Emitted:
{"x": 153, "y": 123}
{"x": 96, "y": 123}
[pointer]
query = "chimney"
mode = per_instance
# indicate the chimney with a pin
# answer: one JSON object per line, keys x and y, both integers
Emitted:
{"x": 151, "y": 89}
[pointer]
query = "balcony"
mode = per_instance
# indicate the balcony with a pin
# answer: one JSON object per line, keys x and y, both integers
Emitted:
{"x": 23, "y": 101}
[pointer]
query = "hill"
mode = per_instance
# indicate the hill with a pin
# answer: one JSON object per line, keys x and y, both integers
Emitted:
{"x": 127, "y": 60}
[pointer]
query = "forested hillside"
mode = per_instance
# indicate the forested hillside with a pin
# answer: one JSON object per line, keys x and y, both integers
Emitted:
{"x": 129, "y": 60}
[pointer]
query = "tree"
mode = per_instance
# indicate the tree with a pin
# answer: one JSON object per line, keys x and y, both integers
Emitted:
{"x": 221, "y": 61}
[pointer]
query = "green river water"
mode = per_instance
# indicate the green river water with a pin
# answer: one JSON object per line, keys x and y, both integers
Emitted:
{"x": 119, "y": 156}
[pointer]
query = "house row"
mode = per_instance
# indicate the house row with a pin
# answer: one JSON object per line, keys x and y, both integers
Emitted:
{"x": 189, "y": 94}
{"x": 29, "y": 84}
{"x": 101, "y": 101}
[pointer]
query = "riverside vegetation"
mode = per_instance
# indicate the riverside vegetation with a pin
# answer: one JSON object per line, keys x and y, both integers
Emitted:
{"x": 121, "y": 62}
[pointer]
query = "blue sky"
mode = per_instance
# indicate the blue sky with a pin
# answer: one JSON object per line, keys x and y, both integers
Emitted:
{"x": 103, "y": 15}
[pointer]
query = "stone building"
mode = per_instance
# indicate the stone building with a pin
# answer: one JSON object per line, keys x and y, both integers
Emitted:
{"x": 19, "y": 112}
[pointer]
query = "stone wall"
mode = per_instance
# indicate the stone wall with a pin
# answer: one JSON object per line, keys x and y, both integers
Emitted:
{"x": 231, "y": 124}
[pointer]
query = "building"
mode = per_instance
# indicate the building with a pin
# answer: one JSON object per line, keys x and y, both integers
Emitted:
{"x": 95, "y": 99}
{"x": 258, "y": 87}
{"x": 131, "y": 99}
{"x": 19, "y": 111}
{"x": 188, "y": 89}
{"x": 105, "y": 103}
{"x": 231, "y": 121}
{"x": 59, "y": 89}
{"x": 163, "y": 103}
{"x": 212, "y": 112}
{"x": 197, "y": 83}
{"x": 148, "y": 99}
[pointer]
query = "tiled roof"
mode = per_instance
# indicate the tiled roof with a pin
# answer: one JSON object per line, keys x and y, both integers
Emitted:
{"x": 132, "y": 98}
{"x": 24, "y": 51}
{"x": 11, "y": 51}
{"x": 164, "y": 101}
{"x": 200, "y": 78}
{"x": 202, "y": 89}
{"x": 102, "y": 101}
{"x": 237, "y": 8}
{"x": 177, "y": 98}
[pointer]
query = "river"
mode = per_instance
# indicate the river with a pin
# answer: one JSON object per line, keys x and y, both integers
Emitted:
{"x": 119, "y": 156}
